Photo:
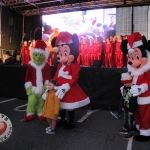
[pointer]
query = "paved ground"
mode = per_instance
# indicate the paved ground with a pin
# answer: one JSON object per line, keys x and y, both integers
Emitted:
{"x": 98, "y": 132}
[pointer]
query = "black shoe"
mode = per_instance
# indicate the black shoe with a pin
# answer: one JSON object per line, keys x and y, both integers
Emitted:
{"x": 69, "y": 126}
{"x": 141, "y": 138}
{"x": 129, "y": 135}
{"x": 61, "y": 123}
{"x": 135, "y": 129}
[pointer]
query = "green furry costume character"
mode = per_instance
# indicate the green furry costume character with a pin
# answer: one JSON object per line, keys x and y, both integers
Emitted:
{"x": 37, "y": 77}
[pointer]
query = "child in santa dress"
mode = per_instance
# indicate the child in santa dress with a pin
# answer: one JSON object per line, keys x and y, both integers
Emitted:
{"x": 51, "y": 107}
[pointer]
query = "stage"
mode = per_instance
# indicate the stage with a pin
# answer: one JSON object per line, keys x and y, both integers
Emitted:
{"x": 102, "y": 85}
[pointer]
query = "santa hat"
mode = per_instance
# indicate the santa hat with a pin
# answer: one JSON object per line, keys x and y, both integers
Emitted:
{"x": 41, "y": 47}
{"x": 126, "y": 78}
{"x": 134, "y": 40}
{"x": 63, "y": 38}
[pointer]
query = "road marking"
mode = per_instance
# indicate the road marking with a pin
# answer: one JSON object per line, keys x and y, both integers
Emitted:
{"x": 129, "y": 146}
{"x": 89, "y": 112}
{"x": 8, "y": 100}
{"x": 17, "y": 108}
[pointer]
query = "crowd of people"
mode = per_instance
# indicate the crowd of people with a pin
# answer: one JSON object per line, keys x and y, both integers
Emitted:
{"x": 106, "y": 50}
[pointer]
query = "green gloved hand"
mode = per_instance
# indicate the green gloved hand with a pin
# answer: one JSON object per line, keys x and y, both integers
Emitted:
{"x": 44, "y": 89}
{"x": 29, "y": 90}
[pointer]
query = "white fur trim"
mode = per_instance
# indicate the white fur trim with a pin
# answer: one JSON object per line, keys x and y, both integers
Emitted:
{"x": 39, "y": 77}
{"x": 55, "y": 48}
{"x": 145, "y": 132}
{"x": 40, "y": 114}
{"x": 134, "y": 80}
{"x": 145, "y": 87}
{"x": 143, "y": 100}
{"x": 137, "y": 126}
{"x": 30, "y": 114}
{"x": 66, "y": 86}
{"x": 75, "y": 105}
{"x": 135, "y": 44}
{"x": 130, "y": 50}
{"x": 61, "y": 43}
{"x": 46, "y": 81}
{"x": 64, "y": 74}
{"x": 44, "y": 52}
{"x": 27, "y": 84}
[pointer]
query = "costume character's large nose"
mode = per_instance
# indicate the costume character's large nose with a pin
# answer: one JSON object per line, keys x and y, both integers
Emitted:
{"x": 58, "y": 58}
{"x": 130, "y": 63}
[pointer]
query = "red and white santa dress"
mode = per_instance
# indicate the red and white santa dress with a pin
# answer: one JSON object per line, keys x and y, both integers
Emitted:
{"x": 142, "y": 116}
{"x": 75, "y": 97}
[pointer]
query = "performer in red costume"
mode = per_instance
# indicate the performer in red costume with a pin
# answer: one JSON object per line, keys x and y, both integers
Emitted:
{"x": 84, "y": 47}
{"x": 97, "y": 48}
{"x": 108, "y": 53}
{"x": 67, "y": 74}
{"x": 114, "y": 49}
{"x": 119, "y": 54}
{"x": 79, "y": 59}
{"x": 138, "y": 50}
{"x": 90, "y": 51}
{"x": 25, "y": 52}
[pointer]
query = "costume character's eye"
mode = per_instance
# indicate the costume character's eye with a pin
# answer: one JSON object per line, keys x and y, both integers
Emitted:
{"x": 137, "y": 56}
{"x": 65, "y": 53}
{"x": 60, "y": 53}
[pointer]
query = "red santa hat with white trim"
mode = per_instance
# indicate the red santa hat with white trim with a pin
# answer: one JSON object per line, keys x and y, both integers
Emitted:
{"x": 41, "y": 47}
{"x": 62, "y": 38}
{"x": 134, "y": 40}
{"x": 126, "y": 78}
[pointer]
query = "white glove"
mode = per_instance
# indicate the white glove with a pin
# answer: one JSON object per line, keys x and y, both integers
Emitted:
{"x": 138, "y": 89}
{"x": 44, "y": 95}
{"x": 61, "y": 90}
{"x": 121, "y": 89}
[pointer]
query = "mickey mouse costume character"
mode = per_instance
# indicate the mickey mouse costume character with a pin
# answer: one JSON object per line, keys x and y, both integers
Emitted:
{"x": 138, "y": 50}
{"x": 67, "y": 74}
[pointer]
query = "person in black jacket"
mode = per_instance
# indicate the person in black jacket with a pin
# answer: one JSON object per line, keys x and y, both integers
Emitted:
{"x": 9, "y": 60}
{"x": 129, "y": 106}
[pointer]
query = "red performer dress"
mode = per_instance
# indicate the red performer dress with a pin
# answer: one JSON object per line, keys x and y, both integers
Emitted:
{"x": 90, "y": 55}
{"x": 84, "y": 48}
{"x": 25, "y": 52}
{"x": 119, "y": 56}
{"x": 142, "y": 116}
{"x": 79, "y": 59}
{"x": 97, "y": 51}
{"x": 108, "y": 55}
{"x": 113, "y": 54}
{"x": 75, "y": 97}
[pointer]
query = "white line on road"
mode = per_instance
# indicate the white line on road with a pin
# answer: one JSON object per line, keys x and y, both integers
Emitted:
{"x": 89, "y": 112}
{"x": 17, "y": 108}
{"x": 8, "y": 100}
{"x": 129, "y": 146}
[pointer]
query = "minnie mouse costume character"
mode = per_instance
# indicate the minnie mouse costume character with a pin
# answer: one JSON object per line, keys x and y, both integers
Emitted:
{"x": 67, "y": 74}
{"x": 138, "y": 50}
